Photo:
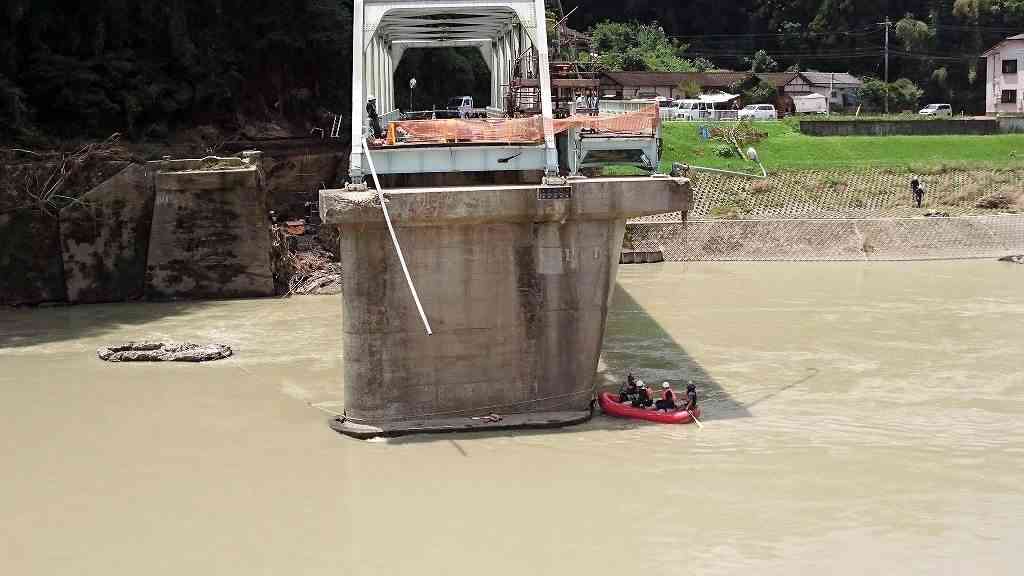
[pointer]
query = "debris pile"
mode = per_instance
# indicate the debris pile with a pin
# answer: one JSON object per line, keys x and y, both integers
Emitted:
{"x": 1018, "y": 259}
{"x": 302, "y": 265}
{"x": 163, "y": 352}
{"x": 312, "y": 271}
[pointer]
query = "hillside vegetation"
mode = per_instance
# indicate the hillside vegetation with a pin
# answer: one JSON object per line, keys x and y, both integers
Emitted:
{"x": 149, "y": 68}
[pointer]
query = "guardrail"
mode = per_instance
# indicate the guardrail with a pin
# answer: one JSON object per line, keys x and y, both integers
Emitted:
{"x": 709, "y": 115}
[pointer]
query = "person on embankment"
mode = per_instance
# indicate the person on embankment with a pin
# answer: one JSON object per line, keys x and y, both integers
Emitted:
{"x": 917, "y": 189}
{"x": 668, "y": 398}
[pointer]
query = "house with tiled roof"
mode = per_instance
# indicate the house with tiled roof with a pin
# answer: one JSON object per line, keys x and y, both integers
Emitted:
{"x": 1003, "y": 86}
{"x": 839, "y": 87}
{"x": 644, "y": 84}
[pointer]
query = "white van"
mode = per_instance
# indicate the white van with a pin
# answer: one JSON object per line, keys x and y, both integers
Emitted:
{"x": 693, "y": 109}
{"x": 667, "y": 109}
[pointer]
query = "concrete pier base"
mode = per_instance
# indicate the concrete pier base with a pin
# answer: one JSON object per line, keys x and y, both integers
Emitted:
{"x": 516, "y": 282}
{"x": 530, "y": 421}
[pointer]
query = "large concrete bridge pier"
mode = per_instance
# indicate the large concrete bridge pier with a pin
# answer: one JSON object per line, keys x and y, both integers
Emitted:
{"x": 516, "y": 282}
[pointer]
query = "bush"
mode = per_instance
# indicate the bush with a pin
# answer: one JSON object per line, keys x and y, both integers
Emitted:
{"x": 903, "y": 94}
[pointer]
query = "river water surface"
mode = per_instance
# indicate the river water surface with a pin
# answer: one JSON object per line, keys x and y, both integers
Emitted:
{"x": 858, "y": 418}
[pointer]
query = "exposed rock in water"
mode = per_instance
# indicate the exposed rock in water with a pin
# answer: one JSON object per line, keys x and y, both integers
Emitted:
{"x": 1018, "y": 259}
{"x": 163, "y": 352}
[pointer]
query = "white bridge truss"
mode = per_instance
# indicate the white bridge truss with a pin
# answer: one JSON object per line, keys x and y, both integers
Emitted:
{"x": 504, "y": 31}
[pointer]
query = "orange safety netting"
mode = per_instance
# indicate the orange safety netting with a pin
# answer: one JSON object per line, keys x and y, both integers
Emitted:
{"x": 516, "y": 130}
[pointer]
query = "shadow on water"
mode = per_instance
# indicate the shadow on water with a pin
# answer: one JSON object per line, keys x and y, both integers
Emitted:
{"x": 31, "y": 327}
{"x": 634, "y": 340}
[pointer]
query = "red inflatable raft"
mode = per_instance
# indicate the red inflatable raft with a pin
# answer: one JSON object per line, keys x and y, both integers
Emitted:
{"x": 611, "y": 405}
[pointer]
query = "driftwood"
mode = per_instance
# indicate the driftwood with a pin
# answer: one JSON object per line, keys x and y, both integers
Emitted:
{"x": 162, "y": 352}
{"x": 1018, "y": 259}
{"x": 57, "y": 190}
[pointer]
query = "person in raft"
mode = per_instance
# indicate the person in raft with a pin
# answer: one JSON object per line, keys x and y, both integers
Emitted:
{"x": 691, "y": 397}
{"x": 628, "y": 392}
{"x": 643, "y": 397}
{"x": 668, "y": 398}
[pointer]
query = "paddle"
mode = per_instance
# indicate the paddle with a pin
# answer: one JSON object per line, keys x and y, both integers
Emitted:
{"x": 694, "y": 416}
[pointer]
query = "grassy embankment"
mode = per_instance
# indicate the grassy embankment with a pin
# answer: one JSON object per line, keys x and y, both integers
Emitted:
{"x": 786, "y": 148}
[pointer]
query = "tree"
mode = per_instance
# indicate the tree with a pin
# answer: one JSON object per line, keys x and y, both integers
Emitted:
{"x": 636, "y": 46}
{"x": 762, "y": 62}
{"x": 914, "y": 34}
{"x": 754, "y": 90}
{"x": 689, "y": 88}
{"x": 903, "y": 94}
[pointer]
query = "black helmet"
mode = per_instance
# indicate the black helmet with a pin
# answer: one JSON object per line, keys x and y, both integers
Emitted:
{"x": 691, "y": 386}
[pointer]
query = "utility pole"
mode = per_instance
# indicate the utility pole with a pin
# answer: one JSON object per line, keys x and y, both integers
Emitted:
{"x": 887, "y": 24}
{"x": 831, "y": 91}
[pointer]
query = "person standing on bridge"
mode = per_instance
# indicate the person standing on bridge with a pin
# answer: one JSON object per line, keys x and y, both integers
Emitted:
{"x": 371, "y": 113}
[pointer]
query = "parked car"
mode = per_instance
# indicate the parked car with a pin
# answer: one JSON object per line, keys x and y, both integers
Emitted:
{"x": 759, "y": 112}
{"x": 667, "y": 108}
{"x": 937, "y": 110}
{"x": 463, "y": 105}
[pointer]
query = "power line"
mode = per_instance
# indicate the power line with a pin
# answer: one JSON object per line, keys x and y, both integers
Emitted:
{"x": 874, "y": 52}
{"x": 855, "y": 32}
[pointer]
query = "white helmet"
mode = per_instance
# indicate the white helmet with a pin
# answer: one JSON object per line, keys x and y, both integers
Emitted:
{"x": 639, "y": 382}
{"x": 371, "y": 98}
{"x": 666, "y": 385}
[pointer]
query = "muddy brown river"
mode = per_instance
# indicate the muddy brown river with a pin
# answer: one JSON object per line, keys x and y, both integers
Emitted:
{"x": 859, "y": 418}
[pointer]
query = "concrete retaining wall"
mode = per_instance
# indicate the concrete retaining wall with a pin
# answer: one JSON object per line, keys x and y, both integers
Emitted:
{"x": 820, "y": 239}
{"x": 978, "y": 126}
{"x": 105, "y": 238}
{"x": 1011, "y": 124}
{"x": 30, "y": 261}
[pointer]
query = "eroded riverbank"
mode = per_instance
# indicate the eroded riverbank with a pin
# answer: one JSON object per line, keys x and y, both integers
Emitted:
{"x": 860, "y": 417}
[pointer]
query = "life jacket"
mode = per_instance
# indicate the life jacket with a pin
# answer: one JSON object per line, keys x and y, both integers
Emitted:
{"x": 668, "y": 395}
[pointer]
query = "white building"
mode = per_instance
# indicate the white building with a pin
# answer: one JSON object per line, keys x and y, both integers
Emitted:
{"x": 1003, "y": 89}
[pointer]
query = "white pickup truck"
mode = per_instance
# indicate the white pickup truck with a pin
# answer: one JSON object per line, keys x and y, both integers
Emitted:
{"x": 759, "y": 112}
{"x": 937, "y": 110}
{"x": 463, "y": 105}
